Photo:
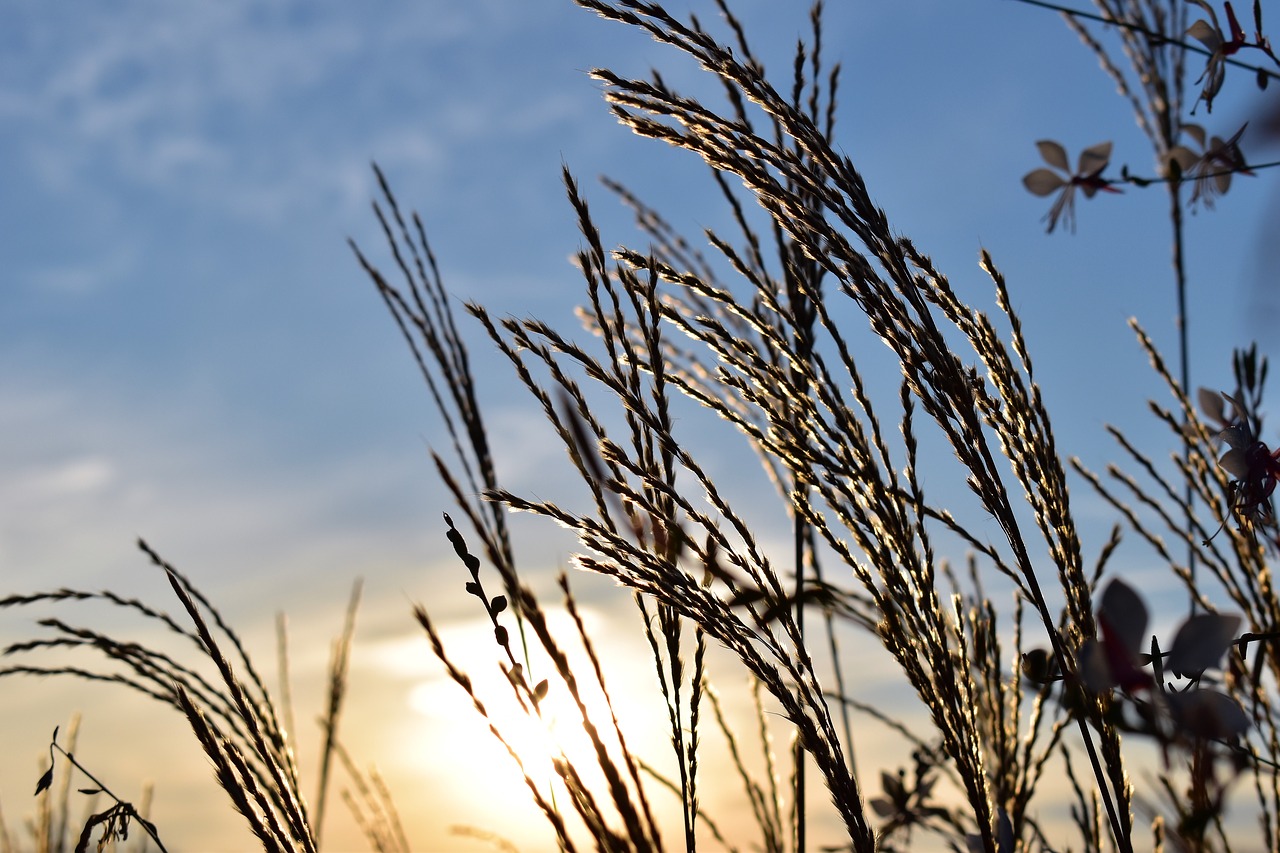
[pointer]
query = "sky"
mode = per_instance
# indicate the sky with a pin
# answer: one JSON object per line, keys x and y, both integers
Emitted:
{"x": 190, "y": 354}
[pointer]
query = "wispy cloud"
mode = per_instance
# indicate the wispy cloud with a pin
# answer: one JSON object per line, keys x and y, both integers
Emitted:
{"x": 201, "y": 101}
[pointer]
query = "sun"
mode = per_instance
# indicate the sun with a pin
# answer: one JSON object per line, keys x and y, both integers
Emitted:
{"x": 463, "y": 752}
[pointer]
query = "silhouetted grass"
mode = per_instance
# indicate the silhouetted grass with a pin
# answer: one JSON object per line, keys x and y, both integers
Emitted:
{"x": 1022, "y": 666}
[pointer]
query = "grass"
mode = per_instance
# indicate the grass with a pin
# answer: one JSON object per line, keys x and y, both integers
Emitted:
{"x": 1026, "y": 660}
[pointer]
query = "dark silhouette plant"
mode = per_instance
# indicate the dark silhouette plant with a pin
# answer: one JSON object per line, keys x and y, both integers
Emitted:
{"x": 764, "y": 330}
{"x": 114, "y": 820}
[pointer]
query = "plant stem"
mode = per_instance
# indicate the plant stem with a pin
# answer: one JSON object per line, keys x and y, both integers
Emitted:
{"x": 1129, "y": 25}
{"x": 147, "y": 825}
{"x": 1184, "y": 358}
{"x": 800, "y": 533}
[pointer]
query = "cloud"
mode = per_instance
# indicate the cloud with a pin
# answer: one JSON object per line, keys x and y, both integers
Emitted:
{"x": 86, "y": 473}
{"x": 260, "y": 111}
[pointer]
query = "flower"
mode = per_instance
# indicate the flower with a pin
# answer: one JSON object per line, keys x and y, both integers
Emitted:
{"x": 1212, "y": 167}
{"x": 1114, "y": 659}
{"x": 1254, "y": 467}
{"x": 1219, "y": 46}
{"x": 1087, "y": 177}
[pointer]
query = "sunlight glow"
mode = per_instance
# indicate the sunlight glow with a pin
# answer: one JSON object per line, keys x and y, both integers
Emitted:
{"x": 456, "y": 741}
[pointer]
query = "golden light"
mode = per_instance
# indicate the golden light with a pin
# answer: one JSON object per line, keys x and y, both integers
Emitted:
{"x": 474, "y": 779}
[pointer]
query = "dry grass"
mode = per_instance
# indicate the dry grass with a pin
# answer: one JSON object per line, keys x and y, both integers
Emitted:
{"x": 50, "y": 830}
{"x": 768, "y": 329}
{"x": 224, "y": 699}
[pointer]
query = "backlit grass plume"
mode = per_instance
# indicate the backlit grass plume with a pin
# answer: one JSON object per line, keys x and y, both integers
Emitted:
{"x": 928, "y": 529}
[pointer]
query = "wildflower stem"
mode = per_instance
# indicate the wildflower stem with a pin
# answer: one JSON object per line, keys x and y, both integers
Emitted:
{"x": 1138, "y": 28}
{"x": 801, "y": 495}
{"x": 1184, "y": 359}
{"x": 1166, "y": 179}
{"x": 147, "y": 825}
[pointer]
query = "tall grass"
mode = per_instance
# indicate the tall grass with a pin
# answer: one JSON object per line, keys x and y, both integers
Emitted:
{"x": 232, "y": 713}
{"x": 929, "y": 510}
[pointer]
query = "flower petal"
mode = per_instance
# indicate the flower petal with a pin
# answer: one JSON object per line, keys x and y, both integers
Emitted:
{"x": 1196, "y": 132}
{"x": 1235, "y": 461}
{"x": 1125, "y": 613}
{"x": 1042, "y": 182}
{"x": 1054, "y": 154}
{"x": 1208, "y": 714}
{"x": 1211, "y": 403}
{"x": 1206, "y": 34}
{"x": 1185, "y": 158}
{"x": 1094, "y": 159}
{"x": 1201, "y": 642}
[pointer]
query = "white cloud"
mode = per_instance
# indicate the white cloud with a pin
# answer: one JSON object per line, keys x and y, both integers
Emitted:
{"x": 154, "y": 94}
{"x": 262, "y": 111}
{"x": 72, "y": 478}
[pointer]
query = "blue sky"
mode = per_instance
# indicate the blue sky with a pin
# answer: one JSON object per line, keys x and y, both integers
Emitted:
{"x": 188, "y": 351}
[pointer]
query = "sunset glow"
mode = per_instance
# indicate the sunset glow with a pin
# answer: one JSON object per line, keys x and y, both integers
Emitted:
{"x": 765, "y": 396}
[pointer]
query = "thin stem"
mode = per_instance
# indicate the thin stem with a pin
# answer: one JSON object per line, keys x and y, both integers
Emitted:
{"x": 802, "y": 497}
{"x": 1164, "y": 39}
{"x": 147, "y": 825}
{"x": 1184, "y": 360}
{"x": 1136, "y": 180}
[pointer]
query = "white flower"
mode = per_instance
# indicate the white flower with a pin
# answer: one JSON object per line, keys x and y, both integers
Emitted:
{"x": 1219, "y": 46}
{"x": 1211, "y": 167}
{"x": 1087, "y": 176}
